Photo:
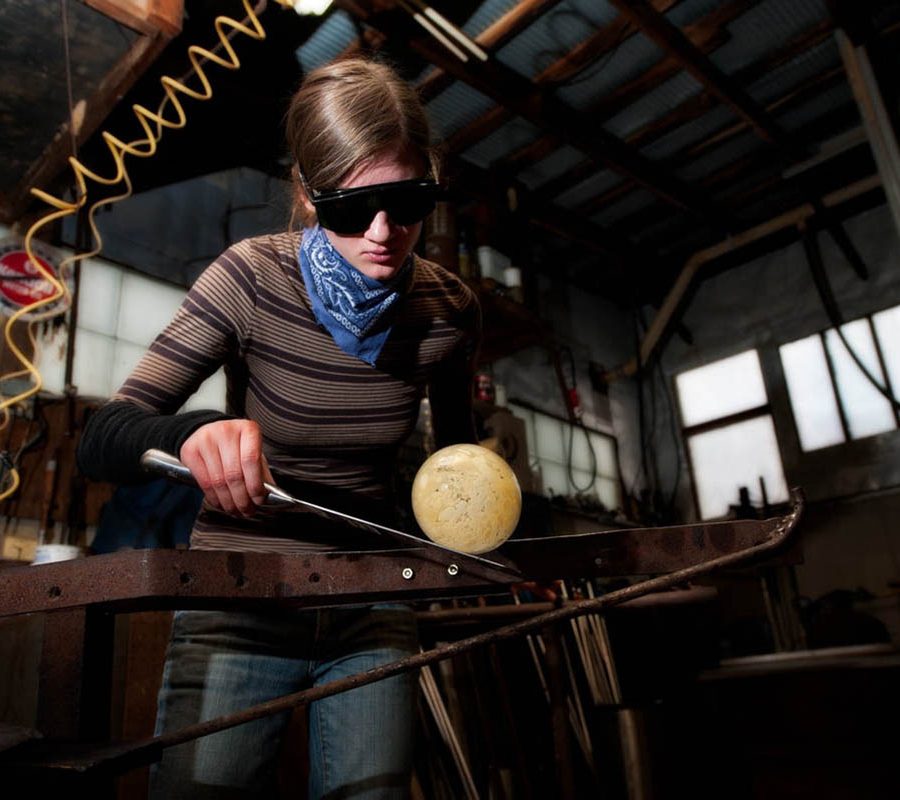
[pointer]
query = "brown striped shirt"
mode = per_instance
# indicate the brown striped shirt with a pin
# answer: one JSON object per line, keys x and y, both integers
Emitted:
{"x": 326, "y": 417}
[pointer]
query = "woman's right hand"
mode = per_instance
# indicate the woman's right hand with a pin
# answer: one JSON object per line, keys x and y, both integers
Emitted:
{"x": 227, "y": 461}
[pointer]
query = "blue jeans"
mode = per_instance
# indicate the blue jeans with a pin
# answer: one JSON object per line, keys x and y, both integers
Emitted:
{"x": 360, "y": 742}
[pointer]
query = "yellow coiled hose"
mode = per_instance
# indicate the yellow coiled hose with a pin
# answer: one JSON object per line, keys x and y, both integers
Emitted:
{"x": 154, "y": 124}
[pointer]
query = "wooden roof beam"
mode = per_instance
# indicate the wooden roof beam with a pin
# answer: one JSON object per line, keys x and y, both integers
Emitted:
{"x": 693, "y": 108}
{"x": 591, "y": 50}
{"x": 672, "y": 40}
{"x": 758, "y": 162}
{"x": 149, "y": 17}
{"x": 522, "y": 97}
{"x": 89, "y": 115}
{"x": 709, "y": 33}
{"x": 492, "y": 38}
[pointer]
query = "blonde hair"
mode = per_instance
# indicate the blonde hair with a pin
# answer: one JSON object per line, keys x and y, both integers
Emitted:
{"x": 344, "y": 114}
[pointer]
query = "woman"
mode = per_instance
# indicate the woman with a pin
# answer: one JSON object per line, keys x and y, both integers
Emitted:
{"x": 329, "y": 339}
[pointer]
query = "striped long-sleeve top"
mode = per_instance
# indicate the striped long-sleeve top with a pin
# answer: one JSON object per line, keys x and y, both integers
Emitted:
{"x": 331, "y": 424}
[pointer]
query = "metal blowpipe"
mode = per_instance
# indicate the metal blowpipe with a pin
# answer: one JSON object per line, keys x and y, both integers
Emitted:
{"x": 161, "y": 463}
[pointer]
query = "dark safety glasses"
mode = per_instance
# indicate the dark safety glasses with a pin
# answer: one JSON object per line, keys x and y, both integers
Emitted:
{"x": 347, "y": 211}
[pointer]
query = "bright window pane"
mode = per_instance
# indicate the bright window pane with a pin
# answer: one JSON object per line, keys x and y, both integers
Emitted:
{"x": 548, "y": 448}
{"x": 606, "y": 455}
{"x": 126, "y": 356}
{"x": 583, "y": 455}
{"x": 584, "y": 480}
{"x": 211, "y": 394}
{"x": 724, "y": 387}
{"x": 737, "y": 455}
{"x": 868, "y": 411}
{"x": 93, "y": 364}
{"x": 608, "y": 490}
{"x": 811, "y": 392}
{"x": 554, "y": 478}
{"x": 146, "y": 308}
{"x": 549, "y": 438}
{"x": 887, "y": 329}
{"x": 528, "y": 416}
{"x": 98, "y": 297}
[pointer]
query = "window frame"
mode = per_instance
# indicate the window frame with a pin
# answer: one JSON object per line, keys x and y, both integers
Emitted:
{"x": 835, "y": 386}
{"x": 617, "y": 478}
{"x": 849, "y": 468}
{"x": 688, "y": 431}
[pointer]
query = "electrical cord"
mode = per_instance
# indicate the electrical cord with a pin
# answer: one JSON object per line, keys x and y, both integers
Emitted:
{"x": 575, "y": 420}
{"x": 561, "y": 51}
{"x": 832, "y": 310}
{"x": 154, "y": 124}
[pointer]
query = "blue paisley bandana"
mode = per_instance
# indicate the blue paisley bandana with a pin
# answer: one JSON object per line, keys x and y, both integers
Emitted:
{"x": 345, "y": 302}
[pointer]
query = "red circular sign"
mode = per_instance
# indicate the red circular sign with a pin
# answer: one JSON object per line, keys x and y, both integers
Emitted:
{"x": 21, "y": 283}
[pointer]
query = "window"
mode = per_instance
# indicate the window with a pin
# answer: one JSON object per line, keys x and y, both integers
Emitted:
{"x": 119, "y": 314}
{"x": 730, "y": 435}
{"x": 554, "y": 445}
{"x": 832, "y": 399}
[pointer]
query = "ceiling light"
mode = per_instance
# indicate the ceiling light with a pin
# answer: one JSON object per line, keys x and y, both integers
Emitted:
{"x": 438, "y": 25}
{"x": 308, "y": 7}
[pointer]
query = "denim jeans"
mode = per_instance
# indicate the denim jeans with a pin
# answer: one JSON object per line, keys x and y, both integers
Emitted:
{"x": 360, "y": 741}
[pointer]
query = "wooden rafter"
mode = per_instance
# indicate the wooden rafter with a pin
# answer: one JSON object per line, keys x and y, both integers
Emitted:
{"x": 542, "y": 109}
{"x": 759, "y": 162}
{"x": 52, "y": 161}
{"x": 672, "y": 40}
{"x": 694, "y": 107}
{"x": 591, "y": 50}
{"x": 709, "y": 33}
{"x": 491, "y": 39}
{"x": 149, "y": 17}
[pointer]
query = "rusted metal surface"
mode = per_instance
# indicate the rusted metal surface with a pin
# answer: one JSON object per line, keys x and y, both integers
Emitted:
{"x": 634, "y": 551}
{"x": 75, "y": 674}
{"x": 141, "y": 579}
{"x": 117, "y": 757}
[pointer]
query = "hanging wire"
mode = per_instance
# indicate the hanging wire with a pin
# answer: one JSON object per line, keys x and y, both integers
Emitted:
{"x": 154, "y": 124}
{"x": 834, "y": 314}
{"x": 577, "y": 421}
{"x": 64, "y": 16}
{"x": 590, "y": 71}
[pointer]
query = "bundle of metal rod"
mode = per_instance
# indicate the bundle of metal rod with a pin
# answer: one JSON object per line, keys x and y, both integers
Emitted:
{"x": 577, "y": 720}
{"x": 438, "y": 709}
{"x": 592, "y": 642}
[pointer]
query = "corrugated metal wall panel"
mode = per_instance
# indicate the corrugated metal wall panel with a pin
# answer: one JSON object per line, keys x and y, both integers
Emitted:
{"x": 554, "y": 35}
{"x": 654, "y": 104}
{"x": 456, "y": 107}
{"x": 548, "y": 168}
{"x": 509, "y": 137}
{"x": 764, "y": 27}
{"x": 328, "y": 40}
{"x": 598, "y": 183}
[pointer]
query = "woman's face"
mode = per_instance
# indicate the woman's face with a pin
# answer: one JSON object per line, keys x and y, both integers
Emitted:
{"x": 379, "y": 251}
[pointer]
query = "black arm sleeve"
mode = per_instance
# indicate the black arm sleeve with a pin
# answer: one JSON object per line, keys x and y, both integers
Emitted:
{"x": 117, "y": 434}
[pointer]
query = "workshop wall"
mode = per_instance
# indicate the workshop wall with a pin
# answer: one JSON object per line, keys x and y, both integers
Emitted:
{"x": 597, "y": 332}
{"x": 851, "y": 538}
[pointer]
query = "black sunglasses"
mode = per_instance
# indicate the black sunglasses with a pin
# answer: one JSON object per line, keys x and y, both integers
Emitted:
{"x": 347, "y": 211}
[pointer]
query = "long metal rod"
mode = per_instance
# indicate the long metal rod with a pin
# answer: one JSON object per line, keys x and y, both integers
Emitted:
{"x": 148, "y": 750}
{"x": 165, "y": 464}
